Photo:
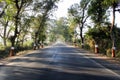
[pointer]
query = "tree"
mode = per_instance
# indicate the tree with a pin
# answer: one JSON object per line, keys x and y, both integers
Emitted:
{"x": 79, "y": 13}
{"x": 101, "y": 35}
{"x": 3, "y": 6}
{"x": 97, "y": 12}
{"x": 61, "y": 30}
{"x": 114, "y": 5}
{"x": 51, "y": 30}
{"x": 18, "y": 6}
{"x": 6, "y": 22}
{"x": 24, "y": 31}
{"x": 44, "y": 8}
{"x": 16, "y": 24}
{"x": 72, "y": 26}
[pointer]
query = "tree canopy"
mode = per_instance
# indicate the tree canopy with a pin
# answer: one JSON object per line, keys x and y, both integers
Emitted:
{"x": 25, "y": 21}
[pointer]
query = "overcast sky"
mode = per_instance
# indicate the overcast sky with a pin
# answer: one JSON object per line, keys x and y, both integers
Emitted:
{"x": 63, "y": 7}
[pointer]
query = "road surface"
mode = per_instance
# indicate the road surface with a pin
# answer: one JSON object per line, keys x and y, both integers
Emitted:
{"x": 58, "y": 62}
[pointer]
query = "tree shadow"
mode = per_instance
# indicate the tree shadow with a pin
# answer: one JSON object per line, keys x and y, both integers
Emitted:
{"x": 65, "y": 65}
{"x": 25, "y": 73}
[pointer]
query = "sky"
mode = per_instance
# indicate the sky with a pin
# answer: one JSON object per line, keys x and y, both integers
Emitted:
{"x": 117, "y": 19}
{"x": 63, "y": 7}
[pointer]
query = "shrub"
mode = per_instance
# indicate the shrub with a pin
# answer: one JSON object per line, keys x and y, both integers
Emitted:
{"x": 108, "y": 52}
{"x": 86, "y": 46}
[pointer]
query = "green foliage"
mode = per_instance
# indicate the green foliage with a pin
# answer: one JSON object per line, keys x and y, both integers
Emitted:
{"x": 97, "y": 11}
{"x": 4, "y": 51}
{"x": 86, "y": 46}
{"x": 61, "y": 30}
{"x": 102, "y": 37}
{"x": 78, "y": 12}
{"x": 110, "y": 2}
{"x": 108, "y": 52}
{"x": 44, "y": 8}
{"x": 19, "y": 25}
{"x": 118, "y": 53}
{"x": 26, "y": 46}
{"x": 99, "y": 33}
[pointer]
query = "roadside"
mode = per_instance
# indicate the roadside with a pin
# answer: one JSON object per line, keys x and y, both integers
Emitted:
{"x": 97, "y": 56}
{"x": 5, "y": 60}
{"x": 112, "y": 64}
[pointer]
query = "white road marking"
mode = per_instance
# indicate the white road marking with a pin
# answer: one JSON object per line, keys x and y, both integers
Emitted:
{"x": 100, "y": 65}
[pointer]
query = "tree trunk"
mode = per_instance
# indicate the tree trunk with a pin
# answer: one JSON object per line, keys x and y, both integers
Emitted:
{"x": 112, "y": 33}
{"x": 23, "y": 40}
{"x": 81, "y": 35}
{"x": 42, "y": 44}
{"x": 1, "y": 14}
{"x": 4, "y": 36}
{"x": 4, "y": 41}
{"x": 35, "y": 41}
{"x": 18, "y": 5}
{"x": 12, "y": 50}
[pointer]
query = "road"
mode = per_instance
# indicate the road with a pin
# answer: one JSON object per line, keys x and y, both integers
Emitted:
{"x": 58, "y": 62}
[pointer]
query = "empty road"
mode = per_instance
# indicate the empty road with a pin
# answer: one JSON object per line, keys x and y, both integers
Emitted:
{"x": 58, "y": 62}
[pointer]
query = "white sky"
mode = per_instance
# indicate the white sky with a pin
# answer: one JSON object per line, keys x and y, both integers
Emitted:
{"x": 63, "y": 7}
{"x": 117, "y": 19}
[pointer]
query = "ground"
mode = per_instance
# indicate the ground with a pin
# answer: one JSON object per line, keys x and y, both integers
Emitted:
{"x": 59, "y": 62}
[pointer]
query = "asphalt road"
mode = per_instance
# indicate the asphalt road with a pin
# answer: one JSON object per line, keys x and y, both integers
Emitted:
{"x": 58, "y": 62}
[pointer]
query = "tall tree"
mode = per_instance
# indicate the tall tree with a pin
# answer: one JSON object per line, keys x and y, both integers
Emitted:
{"x": 44, "y": 8}
{"x": 79, "y": 13}
{"x": 18, "y": 7}
{"x": 63, "y": 29}
{"x": 114, "y": 5}
{"x": 6, "y": 21}
{"x": 97, "y": 13}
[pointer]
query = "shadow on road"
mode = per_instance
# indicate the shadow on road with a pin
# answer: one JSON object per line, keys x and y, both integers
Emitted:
{"x": 57, "y": 63}
{"x": 25, "y": 73}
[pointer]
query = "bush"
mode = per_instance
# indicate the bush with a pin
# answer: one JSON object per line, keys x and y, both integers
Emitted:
{"x": 108, "y": 52}
{"x": 90, "y": 44}
{"x": 118, "y": 54}
{"x": 87, "y": 47}
{"x": 4, "y": 52}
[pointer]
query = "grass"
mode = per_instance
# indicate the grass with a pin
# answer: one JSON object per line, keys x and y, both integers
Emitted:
{"x": 4, "y": 51}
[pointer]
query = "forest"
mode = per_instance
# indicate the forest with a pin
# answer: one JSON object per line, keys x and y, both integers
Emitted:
{"x": 27, "y": 24}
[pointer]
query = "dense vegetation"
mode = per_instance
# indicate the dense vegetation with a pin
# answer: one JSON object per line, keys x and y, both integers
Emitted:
{"x": 23, "y": 23}
{"x": 102, "y": 35}
{"x": 27, "y": 24}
